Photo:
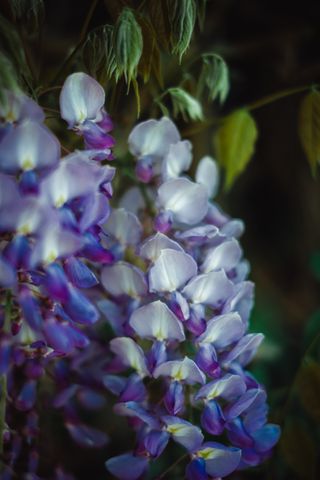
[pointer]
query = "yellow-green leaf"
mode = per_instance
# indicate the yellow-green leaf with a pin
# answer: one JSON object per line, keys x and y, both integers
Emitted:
{"x": 234, "y": 143}
{"x": 309, "y": 128}
{"x": 308, "y": 388}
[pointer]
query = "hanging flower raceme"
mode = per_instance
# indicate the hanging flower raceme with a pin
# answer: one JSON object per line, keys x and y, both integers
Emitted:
{"x": 179, "y": 302}
{"x": 51, "y": 212}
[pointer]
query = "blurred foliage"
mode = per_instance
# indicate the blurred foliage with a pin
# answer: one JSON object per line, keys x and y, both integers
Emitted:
{"x": 180, "y": 58}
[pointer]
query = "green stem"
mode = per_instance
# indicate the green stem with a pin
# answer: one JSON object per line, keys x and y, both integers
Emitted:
{"x": 180, "y": 459}
{"x": 277, "y": 96}
{"x": 3, "y": 378}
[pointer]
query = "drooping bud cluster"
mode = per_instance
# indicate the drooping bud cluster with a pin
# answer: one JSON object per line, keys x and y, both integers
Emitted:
{"x": 179, "y": 306}
{"x": 51, "y": 209}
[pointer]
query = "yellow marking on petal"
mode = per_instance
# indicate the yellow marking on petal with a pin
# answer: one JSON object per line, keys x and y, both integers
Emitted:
{"x": 82, "y": 116}
{"x": 52, "y": 255}
{"x": 60, "y": 201}
{"x": 10, "y": 117}
{"x": 206, "y": 453}
{"x": 24, "y": 229}
{"x": 179, "y": 374}
{"x": 27, "y": 164}
{"x": 175, "y": 428}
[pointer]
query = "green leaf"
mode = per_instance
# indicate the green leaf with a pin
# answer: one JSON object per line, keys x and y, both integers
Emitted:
{"x": 215, "y": 76}
{"x": 98, "y": 53}
{"x": 201, "y": 12}
{"x": 182, "y": 15}
{"x": 309, "y": 128}
{"x": 150, "y": 57}
{"x": 298, "y": 449}
{"x": 159, "y": 16}
{"x": 308, "y": 388}
{"x": 8, "y": 78}
{"x": 29, "y": 12}
{"x": 235, "y": 142}
{"x": 184, "y": 103}
{"x": 128, "y": 44}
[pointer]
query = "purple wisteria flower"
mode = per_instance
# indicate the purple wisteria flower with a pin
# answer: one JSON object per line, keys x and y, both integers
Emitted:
{"x": 185, "y": 303}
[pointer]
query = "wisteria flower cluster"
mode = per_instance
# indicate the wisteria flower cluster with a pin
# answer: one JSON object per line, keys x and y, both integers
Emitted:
{"x": 163, "y": 267}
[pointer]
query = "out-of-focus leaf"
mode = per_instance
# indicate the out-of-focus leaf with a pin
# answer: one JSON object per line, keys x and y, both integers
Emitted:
{"x": 182, "y": 15}
{"x": 185, "y": 104}
{"x": 215, "y": 76}
{"x": 128, "y": 44}
{"x": 201, "y": 12}
{"x": 98, "y": 53}
{"x": 309, "y": 128}
{"x": 158, "y": 13}
{"x": 150, "y": 53}
{"x": 8, "y": 78}
{"x": 12, "y": 47}
{"x": 308, "y": 388}
{"x": 29, "y": 12}
{"x": 298, "y": 449}
{"x": 312, "y": 328}
{"x": 115, "y": 7}
{"x": 315, "y": 264}
{"x": 235, "y": 142}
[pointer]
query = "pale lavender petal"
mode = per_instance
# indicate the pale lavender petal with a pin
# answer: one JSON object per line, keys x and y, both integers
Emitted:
{"x": 211, "y": 288}
{"x": 157, "y": 321}
{"x": 134, "y": 409}
{"x": 81, "y": 98}
{"x": 127, "y": 466}
{"x": 177, "y": 160}
{"x": 181, "y": 370}
{"x": 207, "y": 174}
{"x": 153, "y": 138}
{"x": 226, "y": 256}
{"x": 188, "y": 201}
{"x": 183, "y": 432}
{"x": 220, "y": 460}
{"x": 228, "y": 387}
{"x": 241, "y": 301}
{"x": 245, "y": 349}
{"x": 171, "y": 271}
{"x": 124, "y": 279}
{"x": 233, "y": 228}
{"x": 87, "y": 436}
{"x": 7, "y": 274}
{"x": 28, "y": 146}
{"x": 17, "y": 107}
{"x": 223, "y": 330}
{"x": 198, "y": 235}
{"x": 244, "y": 402}
{"x": 153, "y": 246}
{"x": 123, "y": 226}
{"x": 9, "y": 191}
{"x": 130, "y": 354}
{"x": 132, "y": 200}
{"x": 96, "y": 211}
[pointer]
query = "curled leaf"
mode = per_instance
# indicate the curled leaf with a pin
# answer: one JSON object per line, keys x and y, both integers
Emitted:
{"x": 182, "y": 20}
{"x": 184, "y": 103}
{"x": 215, "y": 76}
{"x": 98, "y": 53}
{"x": 235, "y": 142}
{"x": 309, "y": 128}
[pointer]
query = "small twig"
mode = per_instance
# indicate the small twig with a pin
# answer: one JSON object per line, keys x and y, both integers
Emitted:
{"x": 49, "y": 89}
{"x": 180, "y": 459}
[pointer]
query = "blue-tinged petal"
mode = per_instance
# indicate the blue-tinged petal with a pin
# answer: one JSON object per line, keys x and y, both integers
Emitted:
{"x": 228, "y": 387}
{"x": 156, "y": 321}
{"x": 215, "y": 215}
{"x": 183, "y": 432}
{"x": 95, "y": 211}
{"x": 245, "y": 349}
{"x": 235, "y": 409}
{"x": 177, "y": 160}
{"x": 212, "y": 288}
{"x": 123, "y": 226}
{"x": 266, "y": 437}
{"x": 212, "y": 418}
{"x": 255, "y": 416}
{"x": 196, "y": 323}
{"x": 90, "y": 399}
{"x": 86, "y": 436}
{"x": 188, "y": 201}
{"x": 241, "y": 300}
{"x": 95, "y": 137}
{"x": 134, "y": 390}
{"x": 57, "y": 336}
{"x": 163, "y": 221}
{"x": 223, "y": 330}
{"x": 28, "y": 146}
{"x": 132, "y": 200}
{"x": 7, "y": 274}
{"x": 81, "y": 98}
{"x": 27, "y": 396}
{"x": 155, "y": 442}
{"x": 113, "y": 313}
{"x": 127, "y": 466}
{"x": 79, "y": 308}
{"x": 114, "y": 383}
{"x": 93, "y": 250}
{"x": 207, "y": 360}
{"x": 56, "y": 282}
{"x": 153, "y": 246}
{"x": 238, "y": 435}
{"x": 171, "y": 271}
{"x": 9, "y": 191}
{"x": 174, "y": 398}
{"x": 156, "y": 355}
{"x": 130, "y": 354}
{"x": 124, "y": 279}
{"x": 226, "y": 256}
{"x": 179, "y": 306}
{"x": 181, "y": 370}
{"x": 5, "y": 353}
{"x": 220, "y": 460}
{"x": 153, "y": 138}
{"x": 207, "y": 174}
{"x": 79, "y": 274}
{"x": 30, "y": 308}
{"x": 198, "y": 235}
{"x": 134, "y": 409}
{"x": 144, "y": 169}
{"x": 196, "y": 470}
